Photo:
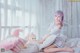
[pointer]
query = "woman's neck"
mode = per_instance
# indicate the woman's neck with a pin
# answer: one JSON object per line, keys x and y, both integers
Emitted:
{"x": 59, "y": 26}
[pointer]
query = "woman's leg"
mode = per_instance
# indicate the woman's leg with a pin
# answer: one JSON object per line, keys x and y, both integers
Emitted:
{"x": 50, "y": 50}
{"x": 51, "y": 46}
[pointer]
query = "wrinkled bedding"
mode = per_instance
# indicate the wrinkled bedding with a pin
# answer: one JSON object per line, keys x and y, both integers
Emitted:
{"x": 73, "y": 43}
{"x": 33, "y": 48}
{"x": 36, "y": 51}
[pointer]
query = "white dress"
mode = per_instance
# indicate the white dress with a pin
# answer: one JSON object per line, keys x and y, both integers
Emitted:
{"x": 60, "y": 38}
{"x": 55, "y": 37}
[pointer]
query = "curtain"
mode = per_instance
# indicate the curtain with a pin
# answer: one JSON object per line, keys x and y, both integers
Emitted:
{"x": 34, "y": 16}
{"x": 71, "y": 12}
{"x": 22, "y": 14}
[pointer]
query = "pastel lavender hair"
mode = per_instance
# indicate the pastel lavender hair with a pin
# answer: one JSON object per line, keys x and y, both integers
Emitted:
{"x": 59, "y": 12}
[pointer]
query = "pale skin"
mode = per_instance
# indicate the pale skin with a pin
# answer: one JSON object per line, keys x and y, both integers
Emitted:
{"x": 53, "y": 48}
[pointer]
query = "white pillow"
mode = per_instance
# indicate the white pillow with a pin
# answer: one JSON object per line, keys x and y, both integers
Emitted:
{"x": 48, "y": 41}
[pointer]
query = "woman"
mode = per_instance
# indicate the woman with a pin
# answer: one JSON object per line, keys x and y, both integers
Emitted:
{"x": 55, "y": 30}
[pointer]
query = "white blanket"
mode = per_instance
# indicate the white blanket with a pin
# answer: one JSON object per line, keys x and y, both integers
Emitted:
{"x": 34, "y": 48}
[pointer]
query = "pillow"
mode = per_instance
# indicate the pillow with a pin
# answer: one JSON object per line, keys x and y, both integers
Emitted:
{"x": 48, "y": 41}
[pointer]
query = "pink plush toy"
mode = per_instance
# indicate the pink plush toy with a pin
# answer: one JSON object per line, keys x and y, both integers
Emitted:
{"x": 8, "y": 43}
{"x": 13, "y": 43}
{"x": 18, "y": 46}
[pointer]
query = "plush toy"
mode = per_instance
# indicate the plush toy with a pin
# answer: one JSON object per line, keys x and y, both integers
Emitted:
{"x": 13, "y": 43}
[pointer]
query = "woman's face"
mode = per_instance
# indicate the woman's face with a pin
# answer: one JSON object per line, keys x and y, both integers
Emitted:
{"x": 58, "y": 19}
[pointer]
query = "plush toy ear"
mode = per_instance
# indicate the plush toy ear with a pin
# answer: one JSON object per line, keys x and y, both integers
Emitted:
{"x": 16, "y": 32}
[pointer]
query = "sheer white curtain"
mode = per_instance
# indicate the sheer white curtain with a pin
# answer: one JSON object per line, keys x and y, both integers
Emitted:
{"x": 18, "y": 14}
{"x": 36, "y": 15}
{"x": 71, "y": 15}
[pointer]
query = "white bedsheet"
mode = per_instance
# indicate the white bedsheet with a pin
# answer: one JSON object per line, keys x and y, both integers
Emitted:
{"x": 32, "y": 48}
{"x": 77, "y": 50}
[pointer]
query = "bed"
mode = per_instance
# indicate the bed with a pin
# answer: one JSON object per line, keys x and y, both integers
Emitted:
{"x": 33, "y": 48}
